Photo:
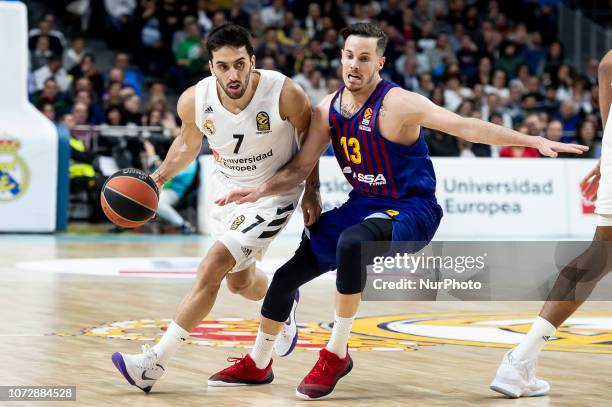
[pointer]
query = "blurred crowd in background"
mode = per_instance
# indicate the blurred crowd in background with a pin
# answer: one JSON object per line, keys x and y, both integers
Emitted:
{"x": 123, "y": 62}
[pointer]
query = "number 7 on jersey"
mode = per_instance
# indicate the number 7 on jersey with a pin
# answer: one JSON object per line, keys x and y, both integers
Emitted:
{"x": 239, "y": 137}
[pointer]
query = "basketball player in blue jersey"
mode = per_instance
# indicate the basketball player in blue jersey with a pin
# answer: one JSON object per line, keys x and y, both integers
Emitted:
{"x": 375, "y": 129}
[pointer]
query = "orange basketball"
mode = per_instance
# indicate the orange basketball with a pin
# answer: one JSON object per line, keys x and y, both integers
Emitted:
{"x": 129, "y": 198}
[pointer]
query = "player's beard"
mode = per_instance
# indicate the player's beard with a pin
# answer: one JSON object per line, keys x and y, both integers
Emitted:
{"x": 243, "y": 88}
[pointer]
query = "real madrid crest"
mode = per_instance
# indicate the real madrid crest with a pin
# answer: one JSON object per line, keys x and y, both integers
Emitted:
{"x": 209, "y": 127}
{"x": 14, "y": 173}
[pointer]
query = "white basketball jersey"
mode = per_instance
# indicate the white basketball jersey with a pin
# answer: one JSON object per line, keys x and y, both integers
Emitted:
{"x": 603, "y": 205}
{"x": 249, "y": 147}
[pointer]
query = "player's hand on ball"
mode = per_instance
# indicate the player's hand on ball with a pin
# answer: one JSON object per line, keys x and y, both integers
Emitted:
{"x": 553, "y": 148}
{"x": 311, "y": 207}
{"x": 240, "y": 196}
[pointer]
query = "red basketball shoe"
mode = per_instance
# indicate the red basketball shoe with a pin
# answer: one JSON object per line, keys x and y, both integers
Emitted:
{"x": 242, "y": 373}
{"x": 322, "y": 378}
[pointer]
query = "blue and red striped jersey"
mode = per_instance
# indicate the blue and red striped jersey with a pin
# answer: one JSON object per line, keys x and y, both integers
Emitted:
{"x": 373, "y": 165}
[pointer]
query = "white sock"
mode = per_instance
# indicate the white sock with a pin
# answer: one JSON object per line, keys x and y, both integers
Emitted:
{"x": 530, "y": 347}
{"x": 262, "y": 351}
{"x": 172, "y": 339}
{"x": 340, "y": 336}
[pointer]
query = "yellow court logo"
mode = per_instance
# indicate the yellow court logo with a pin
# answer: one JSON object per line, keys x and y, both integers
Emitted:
{"x": 14, "y": 172}
{"x": 588, "y": 332}
{"x": 234, "y": 333}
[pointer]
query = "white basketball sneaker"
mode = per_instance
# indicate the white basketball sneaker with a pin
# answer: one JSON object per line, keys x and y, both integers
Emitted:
{"x": 517, "y": 379}
{"x": 286, "y": 341}
{"x": 140, "y": 370}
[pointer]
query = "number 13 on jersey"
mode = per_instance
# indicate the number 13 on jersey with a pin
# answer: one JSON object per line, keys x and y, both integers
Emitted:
{"x": 353, "y": 144}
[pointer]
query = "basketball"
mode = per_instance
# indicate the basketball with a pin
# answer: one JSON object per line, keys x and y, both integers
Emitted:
{"x": 129, "y": 198}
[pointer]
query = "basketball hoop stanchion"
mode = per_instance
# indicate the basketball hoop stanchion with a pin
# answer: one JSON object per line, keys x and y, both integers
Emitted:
{"x": 28, "y": 140}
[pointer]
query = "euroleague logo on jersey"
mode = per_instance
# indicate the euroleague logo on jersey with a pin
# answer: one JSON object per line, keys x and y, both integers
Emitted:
{"x": 365, "y": 123}
{"x": 263, "y": 122}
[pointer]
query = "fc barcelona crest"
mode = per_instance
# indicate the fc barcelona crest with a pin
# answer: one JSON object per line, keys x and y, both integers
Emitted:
{"x": 14, "y": 173}
{"x": 263, "y": 121}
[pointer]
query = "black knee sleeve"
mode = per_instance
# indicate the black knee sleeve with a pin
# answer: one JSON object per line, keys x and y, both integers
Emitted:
{"x": 300, "y": 269}
{"x": 351, "y": 275}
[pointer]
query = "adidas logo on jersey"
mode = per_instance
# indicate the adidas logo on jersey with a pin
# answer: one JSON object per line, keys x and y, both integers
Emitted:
{"x": 247, "y": 252}
{"x": 209, "y": 109}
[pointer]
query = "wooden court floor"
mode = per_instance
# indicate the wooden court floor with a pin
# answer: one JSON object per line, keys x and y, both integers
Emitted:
{"x": 61, "y": 329}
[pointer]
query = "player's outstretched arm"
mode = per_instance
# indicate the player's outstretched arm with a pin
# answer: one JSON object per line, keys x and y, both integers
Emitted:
{"x": 298, "y": 168}
{"x": 418, "y": 110}
{"x": 295, "y": 107}
{"x": 186, "y": 147}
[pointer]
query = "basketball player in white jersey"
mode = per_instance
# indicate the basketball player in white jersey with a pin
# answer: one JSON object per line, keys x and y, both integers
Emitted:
{"x": 516, "y": 375}
{"x": 252, "y": 119}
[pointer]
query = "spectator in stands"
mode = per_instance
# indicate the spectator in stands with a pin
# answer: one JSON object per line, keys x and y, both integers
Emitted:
{"x": 454, "y": 93}
{"x": 554, "y": 59}
{"x": 498, "y": 86}
{"x": 568, "y": 115}
{"x": 237, "y": 15}
{"x": 468, "y": 57}
{"x": 485, "y": 70}
{"x": 80, "y": 111}
{"x": 513, "y": 105}
{"x": 550, "y": 104}
{"x": 180, "y": 35}
{"x": 45, "y": 29}
{"x": 407, "y": 77}
{"x": 94, "y": 112}
{"x": 187, "y": 51}
{"x": 308, "y": 65}
{"x": 519, "y": 152}
{"x": 510, "y": 59}
{"x": 50, "y": 94}
{"x": 114, "y": 116}
{"x": 494, "y": 105}
{"x": 534, "y": 54}
{"x": 112, "y": 97}
{"x": 535, "y": 127}
{"x": 74, "y": 55}
{"x": 272, "y": 15}
{"x": 317, "y": 88}
{"x": 581, "y": 96}
{"x": 586, "y": 135}
{"x": 49, "y": 111}
{"x": 87, "y": 69}
{"x": 53, "y": 69}
{"x": 131, "y": 77}
{"x": 521, "y": 78}
{"x": 554, "y": 130}
{"x": 41, "y": 53}
{"x": 131, "y": 110}
{"x": 440, "y": 54}
{"x": 313, "y": 23}
{"x": 120, "y": 15}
